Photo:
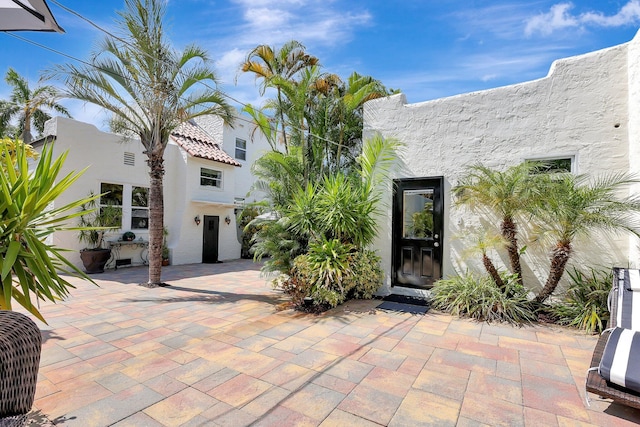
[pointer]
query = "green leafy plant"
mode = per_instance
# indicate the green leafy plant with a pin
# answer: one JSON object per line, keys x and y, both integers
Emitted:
{"x": 366, "y": 275}
{"x": 329, "y": 274}
{"x": 479, "y": 298}
{"x": 29, "y": 266}
{"x": 584, "y": 304}
{"x": 95, "y": 221}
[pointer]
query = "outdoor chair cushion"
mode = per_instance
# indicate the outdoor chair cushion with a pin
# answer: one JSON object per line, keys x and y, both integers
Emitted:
{"x": 628, "y": 304}
{"x": 620, "y": 363}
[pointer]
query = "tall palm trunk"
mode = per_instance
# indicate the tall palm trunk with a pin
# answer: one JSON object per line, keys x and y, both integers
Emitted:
{"x": 156, "y": 215}
{"x": 560, "y": 256}
{"x": 509, "y": 231}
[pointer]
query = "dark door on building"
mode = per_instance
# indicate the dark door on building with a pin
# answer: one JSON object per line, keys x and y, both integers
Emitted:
{"x": 210, "y": 239}
{"x": 417, "y": 232}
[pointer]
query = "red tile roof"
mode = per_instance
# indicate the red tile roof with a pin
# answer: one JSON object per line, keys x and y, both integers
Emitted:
{"x": 195, "y": 141}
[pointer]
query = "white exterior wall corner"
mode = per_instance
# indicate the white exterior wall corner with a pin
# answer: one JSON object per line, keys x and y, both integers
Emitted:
{"x": 633, "y": 131}
{"x": 571, "y": 112}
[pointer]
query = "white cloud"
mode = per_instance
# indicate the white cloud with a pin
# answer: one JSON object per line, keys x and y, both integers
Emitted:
{"x": 628, "y": 14}
{"x": 560, "y": 17}
{"x": 557, "y": 18}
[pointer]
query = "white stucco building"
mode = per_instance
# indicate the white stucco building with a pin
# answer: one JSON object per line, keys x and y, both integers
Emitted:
{"x": 586, "y": 111}
{"x": 207, "y": 175}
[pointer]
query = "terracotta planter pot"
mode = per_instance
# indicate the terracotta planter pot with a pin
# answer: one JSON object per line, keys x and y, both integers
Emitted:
{"x": 94, "y": 260}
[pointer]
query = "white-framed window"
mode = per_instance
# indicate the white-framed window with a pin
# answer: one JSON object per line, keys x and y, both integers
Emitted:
{"x": 560, "y": 164}
{"x": 131, "y": 201}
{"x": 210, "y": 178}
{"x": 241, "y": 149}
{"x": 112, "y": 199}
{"x": 139, "y": 208}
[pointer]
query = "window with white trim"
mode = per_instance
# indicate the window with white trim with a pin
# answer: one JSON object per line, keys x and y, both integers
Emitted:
{"x": 131, "y": 201}
{"x": 241, "y": 149}
{"x": 112, "y": 197}
{"x": 139, "y": 208}
{"x": 210, "y": 178}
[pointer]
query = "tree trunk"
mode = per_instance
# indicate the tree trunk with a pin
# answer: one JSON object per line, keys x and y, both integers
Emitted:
{"x": 559, "y": 258}
{"x": 156, "y": 218}
{"x": 509, "y": 231}
{"x": 26, "y": 130}
{"x": 493, "y": 272}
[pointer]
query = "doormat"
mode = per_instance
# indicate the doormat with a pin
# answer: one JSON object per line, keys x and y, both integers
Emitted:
{"x": 404, "y": 304}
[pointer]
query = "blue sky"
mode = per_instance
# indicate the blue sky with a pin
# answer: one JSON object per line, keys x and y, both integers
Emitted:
{"x": 427, "y": 48}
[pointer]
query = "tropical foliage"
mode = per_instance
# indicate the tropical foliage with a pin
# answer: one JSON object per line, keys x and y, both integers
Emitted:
{"x": 557, "y": 208}
{"x": 28, "y": 106}
{"x": 150, "y": 88}
{"x": 584, "y": 304}
{"x": 29, "y": 266}
{"x": 479, "y": 298}
{"x": 321, "y": 179}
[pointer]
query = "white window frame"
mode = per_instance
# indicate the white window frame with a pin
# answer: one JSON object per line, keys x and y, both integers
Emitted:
{"x": 242, "y": 150}
{"x": 140, "y": 208}
{"x": 219, "y": 180}
{"x": 127, "y": 207}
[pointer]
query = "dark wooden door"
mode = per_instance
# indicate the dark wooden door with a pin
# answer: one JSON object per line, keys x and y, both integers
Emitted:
{"x": 210, "y": 239}
{"x": 417, "y": 232}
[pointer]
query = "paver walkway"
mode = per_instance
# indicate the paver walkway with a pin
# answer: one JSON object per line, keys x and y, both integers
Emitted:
{"x": 212, "y": 350}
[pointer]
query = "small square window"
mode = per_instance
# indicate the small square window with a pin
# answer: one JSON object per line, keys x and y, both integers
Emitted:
{"x": 241, "y": 149}
{"x": 210, "y": 177}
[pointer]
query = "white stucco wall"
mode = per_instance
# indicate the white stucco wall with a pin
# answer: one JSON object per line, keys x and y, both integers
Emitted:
{"x": 580, "y": 109}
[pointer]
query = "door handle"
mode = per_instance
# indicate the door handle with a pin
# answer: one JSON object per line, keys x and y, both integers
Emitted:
{"x": 436, "y": 244}
{"x": 435, "y": 236}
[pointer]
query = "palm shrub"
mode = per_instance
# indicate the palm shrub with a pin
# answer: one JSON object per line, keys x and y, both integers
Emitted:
{"x": 331, "y": 273}
{"x": 584, "y": 304}
{"x": 479, "y": 298}
{"x": 503, "y": 196}
{"x": 29, "y": 266}
{"x": 575, "y": 206}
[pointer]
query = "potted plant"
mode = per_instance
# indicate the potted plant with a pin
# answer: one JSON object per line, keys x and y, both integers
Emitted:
{"x": 93, "y": 223}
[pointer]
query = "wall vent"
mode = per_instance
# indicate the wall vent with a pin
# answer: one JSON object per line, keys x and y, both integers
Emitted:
{"x": 129, "y": 159}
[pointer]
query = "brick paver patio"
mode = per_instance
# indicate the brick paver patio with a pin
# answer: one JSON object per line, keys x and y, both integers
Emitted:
{"x": 212, "y": 350}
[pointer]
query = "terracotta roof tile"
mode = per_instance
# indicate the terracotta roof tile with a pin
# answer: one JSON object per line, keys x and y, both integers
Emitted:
{"x": 195, "y": 141}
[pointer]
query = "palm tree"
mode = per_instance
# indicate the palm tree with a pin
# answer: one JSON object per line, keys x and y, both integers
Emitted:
{"x": 149, "y": 88}
{"x": 268, "y": 63}
{"x": 575, "y": 207}
{"x": 503, "y": 194}
{"x": 27, "y": 105}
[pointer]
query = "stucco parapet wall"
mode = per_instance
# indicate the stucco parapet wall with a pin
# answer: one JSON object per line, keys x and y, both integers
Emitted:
{"x": 580, "y": 102}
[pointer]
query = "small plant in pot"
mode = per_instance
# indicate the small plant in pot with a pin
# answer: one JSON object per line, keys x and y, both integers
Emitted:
{"x": 93, "y": 223}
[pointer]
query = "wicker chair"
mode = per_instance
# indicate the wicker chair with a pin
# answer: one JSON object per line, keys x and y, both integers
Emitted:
{"x": 20, "y": 346}
{"x": 595, "y": 383}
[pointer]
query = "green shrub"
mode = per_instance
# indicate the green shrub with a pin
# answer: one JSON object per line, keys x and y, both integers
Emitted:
{"x": 584, "y": 304}
{"x": 479, "y": 298}
{"x": 366, "y": 275}
{"x": 329, "y": 274}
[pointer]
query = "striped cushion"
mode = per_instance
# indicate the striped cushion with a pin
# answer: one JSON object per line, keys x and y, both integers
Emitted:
{"x": 628, "y": 308}
{"x": 620, "y": 363}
